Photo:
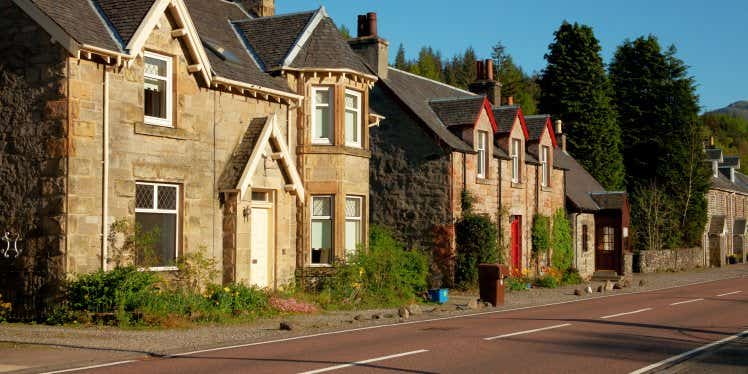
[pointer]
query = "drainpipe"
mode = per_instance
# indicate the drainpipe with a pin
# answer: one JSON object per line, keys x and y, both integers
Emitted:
{"x": 501, "y": 206}
{"x": 576, "y": 242}
{"x": 105, "y": 178}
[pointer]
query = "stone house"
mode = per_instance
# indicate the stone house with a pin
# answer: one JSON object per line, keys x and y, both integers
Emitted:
{"x": 227, "y": 127}
{"x": 438, "y": 142}
{"x": 727, "y": 202}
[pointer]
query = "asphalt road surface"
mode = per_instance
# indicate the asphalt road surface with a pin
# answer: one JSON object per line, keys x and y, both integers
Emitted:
{"x": 618, "y": 334}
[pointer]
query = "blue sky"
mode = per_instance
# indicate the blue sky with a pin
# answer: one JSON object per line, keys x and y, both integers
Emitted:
{"x": 711, "y": 36}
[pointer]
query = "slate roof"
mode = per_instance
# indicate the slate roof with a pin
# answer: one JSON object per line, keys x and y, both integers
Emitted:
{"x": 741, "y": 179}
{"x": 713, "y": 154}
{"x": 124, "y": 15}
{"x": 415, "y": 92}
{"x": 740, "y": 227}
{"x": 580, "y": 184}
{"x": 730, "y": 162}
{"x": 723, "y": 182}
{"x": 232, "y": 173}
{"x": 505, "y": 116}
{"x": 212, "y": 21}
{"x": 610, "y": 199}
{"x": 81, "y": 20}
{"x": 717, "y": 225}
{"x": 327, "y": 48}
{"x": 271, "y": 38}
{"x": 535, "y": 126}
{"x": 458, "y": 111}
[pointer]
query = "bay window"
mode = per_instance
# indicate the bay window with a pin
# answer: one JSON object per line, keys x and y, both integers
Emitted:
{"x": 157, "y": 86}
{"x": 322, "y": 117}
{"x": 353, "y": 118}
{"x": 157, "y": 215}
{"x": 353, "y": 220}
{"x": 515, "y": 155}
{"x": 545, "y": 176}
{"x": 322, "y": 223}
{"x": 482, "y": 154}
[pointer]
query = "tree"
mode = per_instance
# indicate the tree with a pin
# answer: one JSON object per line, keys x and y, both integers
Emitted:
{"x": 575, "y": 89}
{"x": 561, "y": 241}
{"x": 345, "y": 32}
{"x": 514, "y": 81}
{"x": 400, "y": 61}
{"x": 662, "y": 143}
{"x": 429, "y": 64}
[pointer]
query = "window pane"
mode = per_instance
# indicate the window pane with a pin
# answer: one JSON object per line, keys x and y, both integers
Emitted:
{"x": 155, "y": 98}
{"x": 144, "y": 196}
{"x": 322, "y": 123}
{"x": 351, "y": 127}
{"x": 167, "y": 197}
{"x": 259, "y": 196}
{"x": 352, "y": 235}
{"x": 155, "y": 67}
{"x": 322, "y": 96}
{"x": 321, "y": 207}
{"x": 164, "y": 227}
{"x": 353, "y": 207}
{"x": 351, "y": 101}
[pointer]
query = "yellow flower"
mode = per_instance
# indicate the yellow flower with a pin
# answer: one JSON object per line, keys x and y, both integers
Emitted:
{"x": 360, "y": 272}
{"x": 226, "y": 289}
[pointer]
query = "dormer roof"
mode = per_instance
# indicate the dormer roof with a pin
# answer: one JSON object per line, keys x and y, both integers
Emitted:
{"x": 462, "y": 111}
{"x": 536, "y": 125}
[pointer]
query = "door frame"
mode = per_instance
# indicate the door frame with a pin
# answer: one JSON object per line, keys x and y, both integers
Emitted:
{"x": 272, "y": 255}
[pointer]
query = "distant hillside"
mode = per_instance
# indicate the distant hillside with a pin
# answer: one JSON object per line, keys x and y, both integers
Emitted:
{"x": 739, "y": 109}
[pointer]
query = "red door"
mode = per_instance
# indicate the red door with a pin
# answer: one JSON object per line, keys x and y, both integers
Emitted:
{"x": 517, "y": 242}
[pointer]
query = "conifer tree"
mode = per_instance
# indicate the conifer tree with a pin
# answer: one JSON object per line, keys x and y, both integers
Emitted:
{"x": 400, "y": 61}
{"x": 575, "y": 89}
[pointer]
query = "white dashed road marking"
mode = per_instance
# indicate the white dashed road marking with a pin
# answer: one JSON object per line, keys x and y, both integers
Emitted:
{"x": 364, "y": 362}
{"x": 623, "y": 314}
{"x": 527, "y": 332}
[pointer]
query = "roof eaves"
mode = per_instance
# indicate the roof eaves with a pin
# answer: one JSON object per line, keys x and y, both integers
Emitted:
{"x": 305, "y": 35}
{"x": 113, "y": 33}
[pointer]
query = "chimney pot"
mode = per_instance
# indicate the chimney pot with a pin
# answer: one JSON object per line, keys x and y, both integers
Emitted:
{"x": 559, "y": 126}
{"x": 510, "y": 100}
{"x": 489, "y": 69}
{"x": 711, "y": 141}
{"x": 479, "y": 70}
{"x": 372, "y": 22}
{"x": 362, "y": 23}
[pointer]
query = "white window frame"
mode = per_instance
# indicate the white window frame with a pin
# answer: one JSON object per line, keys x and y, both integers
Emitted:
{"x": 156, "y": 121}
{"x": 359, "y": 219}
{"x": 176, "y": 212}
{"x": 545, "y": 175}
{"x": 331, "y": 218}
{"x": 516, "y": 149}
{"x": 357, "y": 110}
{"x": 330, "y": 108}
{"x": 481, "y": 146}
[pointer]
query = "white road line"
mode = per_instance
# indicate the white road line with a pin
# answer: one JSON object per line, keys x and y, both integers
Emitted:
{"x": 683, "y": 356}
{"x": 430, "y": 320}
{"x": 364, "y": 362}
{"x": 729, "y": 293}
{"x": 623, "y": 314}
{"x": 91, "y": 367}
{"x": 686, "y": 302}
{"x": 527, "y": 332}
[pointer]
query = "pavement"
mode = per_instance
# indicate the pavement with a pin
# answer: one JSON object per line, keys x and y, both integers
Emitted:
{"x": 617, "y": 334}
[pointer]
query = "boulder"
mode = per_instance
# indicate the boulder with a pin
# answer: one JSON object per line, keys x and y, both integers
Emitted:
{"x": 358, "y": 317}
{"x": 588, "y": 289}
{"x": 286, "y": 326}
{"x": 414, "y": 309}
{"x": 472, "y": 304}
{"x": 618, "y": 286}
{"x": 601, "y": 289}
{"x": 403, "y": 312}
{"x": 608, "y": 285}
{"x": 376, "y": 316}
{"x": 577, "y": 292}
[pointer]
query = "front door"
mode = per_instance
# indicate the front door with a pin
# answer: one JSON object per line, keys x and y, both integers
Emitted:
{"x": 607, "y": 244}
{"x": 261, "y": 244}
{"x": 516, "y": 243}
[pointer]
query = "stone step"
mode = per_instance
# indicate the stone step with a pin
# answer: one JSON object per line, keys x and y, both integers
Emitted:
{"x": 603, "y": 275}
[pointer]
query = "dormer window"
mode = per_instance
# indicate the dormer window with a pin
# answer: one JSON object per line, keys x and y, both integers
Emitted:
{"x": 157, "y": 85}
{"x": 545, "y": 175}
{"x": 353, "y": 118}
{"x": 516, "y": 151}
{"x": 322, "y": 118}
{"x": 481, "y": 146}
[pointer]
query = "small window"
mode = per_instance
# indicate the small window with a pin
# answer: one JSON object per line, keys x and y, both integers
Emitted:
{"x": 353, "y": 119}
{"x": 157, "y": 215}
{"x": 322, "y": 240}
{"x": 353, "y": 219}
{"x": 545, "y": 175}
{"x": 482, "y": 154}
{"x": 516, "y": 150}
{"x": 585, "y": 238}
{"x": 260, "y": 196}
{"x": 609, "y": 239}
{"x": 157, "y": 80}
{"x": 322, "y": 119}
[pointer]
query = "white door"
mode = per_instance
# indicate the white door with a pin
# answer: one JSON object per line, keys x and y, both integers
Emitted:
{"x": 258, "y": 268}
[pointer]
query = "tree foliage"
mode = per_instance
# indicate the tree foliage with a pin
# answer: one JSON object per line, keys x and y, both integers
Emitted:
{"x": 730, "y": 134}
{"x": 476, "y": 244}
{"x": 662, "y": 145}
{"x": 514, "y": 81}
{"x": 575, "y": 89}
{"x": 561, "y": 241}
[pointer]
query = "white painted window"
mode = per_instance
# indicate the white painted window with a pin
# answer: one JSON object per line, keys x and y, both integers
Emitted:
{"x": 482, "y": 145}
{"x": 545, "y": 170}
{"x": 353, "y": 118}
{"x": 353, "y": 220}
{"x": 609, "y": 239}
{"x": 157, "y": 214}
{"x": 157, "y": 85}
{"x": 322, "y": 222}
{"x": 516, "y": 150}
{"x": 322, "y": 117}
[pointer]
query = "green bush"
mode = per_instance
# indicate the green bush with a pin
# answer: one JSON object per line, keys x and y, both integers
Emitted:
{"x": 547, "y": 281}
{"x": 571, "y": 276}
{"x": 541, "y": 237}
{"x": 563, "y": 252}
{"x": 107, "y": 291}
{"x": 516, "y": 283}
{"x": 476, "y": 243}
{"x": 385, "y": 275}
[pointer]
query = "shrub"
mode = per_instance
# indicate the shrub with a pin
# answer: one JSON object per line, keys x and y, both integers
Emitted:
{"x": 105, "y": 291}
{"x": 5, "y": 308}
{"x": 563, "y": 253}
{"x": 476, "y": 243}
{"x": 571, "y": 276}
{"x": 130, "y": 244}
{"x": 384, "y": 275}
{"x": 547, "y": 281}
{"x": 196, "y": 271}
{"x": 541, "y": 238}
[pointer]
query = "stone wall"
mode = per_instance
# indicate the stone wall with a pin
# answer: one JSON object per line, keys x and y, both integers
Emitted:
{"x": 32, "y": 161}
{"x": 669, "y": 260}
{"x": 584, "y": 259}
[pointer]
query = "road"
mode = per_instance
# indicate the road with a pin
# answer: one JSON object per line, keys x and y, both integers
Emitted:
{"x": 618, "y": 334}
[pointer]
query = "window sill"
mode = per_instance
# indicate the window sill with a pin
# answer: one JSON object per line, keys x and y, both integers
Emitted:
{"x": 546, "y": 188}
{"x": 333, "y": 149}
{"x": 160, "y": 268}
{"x": 320, "y": 265}
{"x": 518, "y": 185}
{"x": 142, "y": 128}
{"x": 481, "y": 180}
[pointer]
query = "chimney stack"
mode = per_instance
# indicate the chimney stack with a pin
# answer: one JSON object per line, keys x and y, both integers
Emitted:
{"x": 373, "y": 49}
{"x": 260, "y": 8}
{"x": 484, "y": 82}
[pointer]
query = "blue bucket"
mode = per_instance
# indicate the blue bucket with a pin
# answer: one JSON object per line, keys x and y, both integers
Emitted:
{"x": 439, "y": 295}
